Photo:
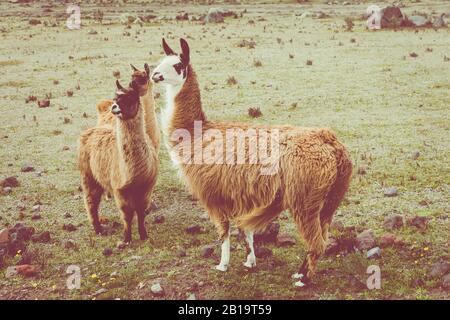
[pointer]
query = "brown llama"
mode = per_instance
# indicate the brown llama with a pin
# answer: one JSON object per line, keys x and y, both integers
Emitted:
{"x": 142, "y": 79}
{"x": 120, "y": 160}
{"x": 312, "y": 175}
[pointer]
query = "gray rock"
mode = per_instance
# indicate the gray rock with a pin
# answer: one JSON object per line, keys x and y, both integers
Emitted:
{"x": 418, "y": 222}
{"x": 99, "y": 292}
{"x": 215, "y": 15}
{"x": 374, "y": 253}
{"x": 159, "y": 219}
{"x": 390, "y": 192}
{"x": 446, "y": 282}
{"x": 43, "y": 237}
{"x": 393, "y": 221}
{"x": 207, "y": 251}
{"x": 27, "y": 168}
{"x": 415, "y": 155}
{"x": 4, "y": 236}
{"x": 11, "y": 182}
{"x": 7, "y": 190}
{"x": 194, "y": 229}
{"x": 365, "y": 240}
{"x": 157, "y": 290}
{"x": 11, "y": 272}
{"x": 439, "y": 269}
{"x": 69, "y": 244}
{"x": 36, "y": 208}
{"x": 419, "y": 21}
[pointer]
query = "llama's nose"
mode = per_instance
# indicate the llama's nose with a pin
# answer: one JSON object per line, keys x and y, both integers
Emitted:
{"x": 157, "y": 77}
{"x": 115, "y": 109}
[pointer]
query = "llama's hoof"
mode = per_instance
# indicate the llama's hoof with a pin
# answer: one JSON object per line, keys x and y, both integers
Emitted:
{"x": 222, "y": 268}
{"x": 297, "y": 276}
{"x": 299, "y": 284}
{"x": 249, "y": 264}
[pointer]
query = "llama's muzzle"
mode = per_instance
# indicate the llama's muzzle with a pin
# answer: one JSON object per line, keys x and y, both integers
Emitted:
{"x": 115, "y": 109}
{"x": 157, "y": 77}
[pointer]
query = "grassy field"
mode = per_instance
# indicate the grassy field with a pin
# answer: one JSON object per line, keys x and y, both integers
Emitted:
{"x": 383, "y": 103}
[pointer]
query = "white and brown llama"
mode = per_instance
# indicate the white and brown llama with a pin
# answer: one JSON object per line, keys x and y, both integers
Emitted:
{"x": 313, "y": 175}
{"x": 142, "y": 79}
{"x": 120, "y": 160}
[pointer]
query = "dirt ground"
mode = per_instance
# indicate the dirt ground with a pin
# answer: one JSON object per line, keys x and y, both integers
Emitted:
{"x": 385, "y": 93}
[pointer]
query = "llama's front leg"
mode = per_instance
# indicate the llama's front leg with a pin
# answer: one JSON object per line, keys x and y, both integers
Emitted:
{"x": 141, "y": 224}
{"x": 251, "y": 258}
{"x": 225, "y": 254}
{"x": 127, "y": 217}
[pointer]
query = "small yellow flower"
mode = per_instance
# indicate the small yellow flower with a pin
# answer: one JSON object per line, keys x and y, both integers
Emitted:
{"x": 416, "y": 262}
{"x": 34, "y": 284}
{"x": 426, "y": 249}
{"x": 94, "y": 276}
{"x": 338, "y": 255}
{"x": 54, "y": 287}
{"x": 103, "y": 284}
{"x": 19, "y": 251}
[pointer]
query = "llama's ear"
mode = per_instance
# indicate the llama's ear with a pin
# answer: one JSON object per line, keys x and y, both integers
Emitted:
{"x": 133, "y": 68}
{"x": 167, "y": 49}
{"x": 185, "y": 52}
{"x": 147, "y": 69}
{"x": 120, "y": 89}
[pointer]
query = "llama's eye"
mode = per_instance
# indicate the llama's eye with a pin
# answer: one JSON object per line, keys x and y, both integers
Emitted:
{"x": 178, "y": 67}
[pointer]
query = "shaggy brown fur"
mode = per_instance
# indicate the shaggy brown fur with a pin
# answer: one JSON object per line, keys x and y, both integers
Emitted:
{"x": 313, "y": 177}
{"x": 142, "y": 78}
{"x": 121, "y": 160}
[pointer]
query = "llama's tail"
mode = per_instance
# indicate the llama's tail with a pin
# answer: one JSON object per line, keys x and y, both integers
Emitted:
{"x": 261, "y": 217}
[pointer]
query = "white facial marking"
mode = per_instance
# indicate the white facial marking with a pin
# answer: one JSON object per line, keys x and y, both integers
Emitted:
{"x": 251, "y": 258}
{"x": 225, "y": 255}
{"x": 168, "y": 73}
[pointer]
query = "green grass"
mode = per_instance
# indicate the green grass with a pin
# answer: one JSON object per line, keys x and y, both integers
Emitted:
{"x": 383, "y": 107}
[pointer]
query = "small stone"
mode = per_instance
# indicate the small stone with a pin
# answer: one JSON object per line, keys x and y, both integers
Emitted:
{"x": 181, "y": 253}
{"x": 7, "y": 190}
{"x": 107, "y": 252}
{"x": 36, "y": 208}
{"x": 11, "y": 272}
{"x": 69, "y": 244}
{"x": 45, "y": 103}
{"x": 114, "y": 274}
{"x": 11, "y": 182}
{"x": 263, "y": 252}
{"x": 99, "y": 292}
{"x": 362, "y": 170}
{"x": 157, "y": 290}
{"x": 285, "y": 240}
{"x": 194, "y": 229}
{"x": 418, "y": 222}
{"x": 374, "y": 253}
{"x": 439, "y": 269}
{"x": 92, "y": 32}
{"x": 43, "y": 237}
{"x": 365, "y": 240}
{"x": 121, "y": 245}
{"x": 36, "y": 216}
{"x": 207, "y": 251}
{"x": 393, "y": 221}
{"x": 4, "y": 236}
{"x": 446, "y": 282}
{"x": 67, "y": 215}
{"x": 191, "y": 296}
{"x": 77, "y": 197}
{"x": 159, "y": 219}
{"x": 390, "y": 192}
{"x": 415, "y": 155}
{"x": 69, "y": 227}
{"x": 27, "y": 168}
{"x": 269, "y": 235}
{"x": 389, "y": 240}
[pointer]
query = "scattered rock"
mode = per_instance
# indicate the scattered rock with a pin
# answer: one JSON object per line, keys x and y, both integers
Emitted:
{"x": 419, "y": 21}
{"x": 194, "y": 229}
{"x": 43, "y": 237}
{"x": 269, "y": 235}
{"x": 36, "y": 208}
{"x": 157, "y": 290}
{"x": 69, "y": 227}
{"x": 21, "y": 233}
{"x": 107, "y": 252}
{"x": 446, "y": 282}
{"x": 215, "y": 15}
{"x": 362, "y": 170}
{"x": 45, "y": 103}
{"x": 365, "y": 240}
{"x": 36, "y": 216}
{"x": 389, "y": 240}
{"x": 99, "y": 292}
{"x": 285, "y": 240}
{"x": 69, "y": 244}
{"x": 11, "y": 182}
{"x": 390, "y": 192}
{"x": 27, "y": 168}
{"x": 254, "y": 112}
{"x": 393, "y": 221}
{"x": 92, "y": 32}
{"x": 34, "y": 22}
{"x": 159, "y": 219}
{"x": 67, "y": 215}
{"x": 418, "y": 222}
{"x": 415, "y": 155}
{"x": 182, "y": 17}
{"x": 207, "y": 251}
{"x": 250, "y": 44}
{"x": 263, "y": 252}
{"x": 4, "y": 236}
{"x": 181, "y": 253}
{"x": 121, "y": 245}
{"x": 413, "y": 55}
{"x": 6, "y": 190}
{"x": 439, "y": 269}
{"x": 374, "y": 253}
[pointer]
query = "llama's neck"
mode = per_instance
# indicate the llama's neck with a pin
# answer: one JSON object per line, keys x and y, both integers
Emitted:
{"x": 151, "y": 124}
{"x": 132, "y": 146}
{"x": 184, "y": 105}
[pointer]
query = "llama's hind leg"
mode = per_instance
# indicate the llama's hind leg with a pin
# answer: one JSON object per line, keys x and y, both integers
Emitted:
{"x": 251, "y": 258}
{"x": 223, "y": 228}
{"x": 308, "y": 223}
{"x": 92, "y": 197}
